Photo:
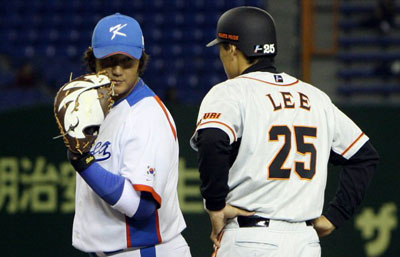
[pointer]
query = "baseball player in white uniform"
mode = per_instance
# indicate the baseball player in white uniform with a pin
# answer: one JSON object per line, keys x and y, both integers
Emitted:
{"x": 126, "y": 196}
{"x": 264, "y": 140}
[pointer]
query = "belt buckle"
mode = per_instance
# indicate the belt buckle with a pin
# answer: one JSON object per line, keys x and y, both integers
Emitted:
{"x": 252, "y": 221}
{"x": 262, "y": 223}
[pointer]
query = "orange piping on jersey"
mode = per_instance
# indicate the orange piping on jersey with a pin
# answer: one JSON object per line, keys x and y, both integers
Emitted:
{"x": 158, "y": 228}
{"x": 149, "y": 189}
{"x": 128, "y": 233}
{"x": 231, "y": 129}
{"x": 285, "y": 85}
{"x": 355, "y": 141}
{"x": 166, "y": 114}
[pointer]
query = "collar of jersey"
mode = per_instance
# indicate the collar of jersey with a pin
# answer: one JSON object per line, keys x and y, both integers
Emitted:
{"x": 140, "y": 91}
{"x": 264, "y": 64}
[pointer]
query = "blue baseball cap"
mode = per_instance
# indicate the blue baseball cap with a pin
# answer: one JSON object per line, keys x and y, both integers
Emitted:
{"x": 117, "y": 34}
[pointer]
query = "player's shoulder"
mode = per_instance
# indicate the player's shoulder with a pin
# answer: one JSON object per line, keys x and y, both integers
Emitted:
{"x": 316, "y": 91}
{"x": 228, "y": 88}
{"x": 146, "y": 113}
{"x": 147, "y": 107}
{"x": 141, "y": 101}
{"x": 225, "y": 85}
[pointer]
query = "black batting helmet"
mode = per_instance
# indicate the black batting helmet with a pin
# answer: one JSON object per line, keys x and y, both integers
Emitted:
{"x": 251, "y": 29}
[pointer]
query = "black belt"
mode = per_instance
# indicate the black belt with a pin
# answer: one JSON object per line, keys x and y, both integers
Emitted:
{"x": 106, "y": 253}
{"x": 256, "y": 221}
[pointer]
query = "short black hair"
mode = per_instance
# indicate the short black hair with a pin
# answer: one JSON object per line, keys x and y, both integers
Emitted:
{"x": 90, "y": 61}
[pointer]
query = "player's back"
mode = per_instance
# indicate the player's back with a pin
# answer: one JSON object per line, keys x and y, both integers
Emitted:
{"x": 285, "y": 139}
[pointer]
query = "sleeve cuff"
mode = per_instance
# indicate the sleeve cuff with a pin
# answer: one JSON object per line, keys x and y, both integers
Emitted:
{"x": 215, "y": 205}
{"x": 219, "y": 125}
{"x": 335, "y": 216}
{"x": 145, "y": 188}
{"x": 129, "y": 201}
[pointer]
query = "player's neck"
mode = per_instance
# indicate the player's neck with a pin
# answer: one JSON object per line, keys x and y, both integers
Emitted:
{"x": 243, "y": 64}
{"x": 264, "y": 64}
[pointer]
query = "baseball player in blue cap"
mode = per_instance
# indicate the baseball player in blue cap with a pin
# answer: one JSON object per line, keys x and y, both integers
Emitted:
{"x": 126, "y": 196}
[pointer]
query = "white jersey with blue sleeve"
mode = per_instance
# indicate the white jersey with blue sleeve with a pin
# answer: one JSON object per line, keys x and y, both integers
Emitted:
{"x": 137, "y": 141}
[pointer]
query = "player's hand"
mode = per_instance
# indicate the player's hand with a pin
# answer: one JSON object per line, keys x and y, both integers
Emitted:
{"x": 219, "y": 219}
{"x": 323, "y": 226}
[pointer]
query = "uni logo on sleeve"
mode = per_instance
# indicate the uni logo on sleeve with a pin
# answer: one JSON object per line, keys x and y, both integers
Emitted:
{"x": 211, "y": 115}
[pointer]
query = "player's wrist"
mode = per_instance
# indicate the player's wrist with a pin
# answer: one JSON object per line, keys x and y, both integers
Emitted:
{"x": 80, "y": 162}
{"x": 335, "y": 217}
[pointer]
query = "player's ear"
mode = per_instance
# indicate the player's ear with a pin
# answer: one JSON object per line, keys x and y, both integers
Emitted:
{"x": 234, "y": 51}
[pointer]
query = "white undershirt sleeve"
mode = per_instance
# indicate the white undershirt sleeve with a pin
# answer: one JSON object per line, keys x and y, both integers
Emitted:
{"x": 129, "y": 201}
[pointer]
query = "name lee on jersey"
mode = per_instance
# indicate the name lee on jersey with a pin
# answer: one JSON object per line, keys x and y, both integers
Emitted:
{"x": 287, "y": 100}
{"x": 284, "y": 100}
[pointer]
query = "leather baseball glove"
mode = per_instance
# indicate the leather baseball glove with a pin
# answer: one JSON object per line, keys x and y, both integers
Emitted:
{"x": 80, "y": 107}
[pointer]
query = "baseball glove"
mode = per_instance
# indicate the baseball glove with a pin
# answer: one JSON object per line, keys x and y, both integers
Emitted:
{"x": 80, "y": 107}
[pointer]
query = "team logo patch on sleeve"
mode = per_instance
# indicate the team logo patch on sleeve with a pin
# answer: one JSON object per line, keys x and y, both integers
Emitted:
{"x": 278, "y": 78}
{"x": 211, "y": 115}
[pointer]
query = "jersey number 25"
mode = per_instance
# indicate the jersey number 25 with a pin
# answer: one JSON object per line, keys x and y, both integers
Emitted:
{"x": 276, "y": 169}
